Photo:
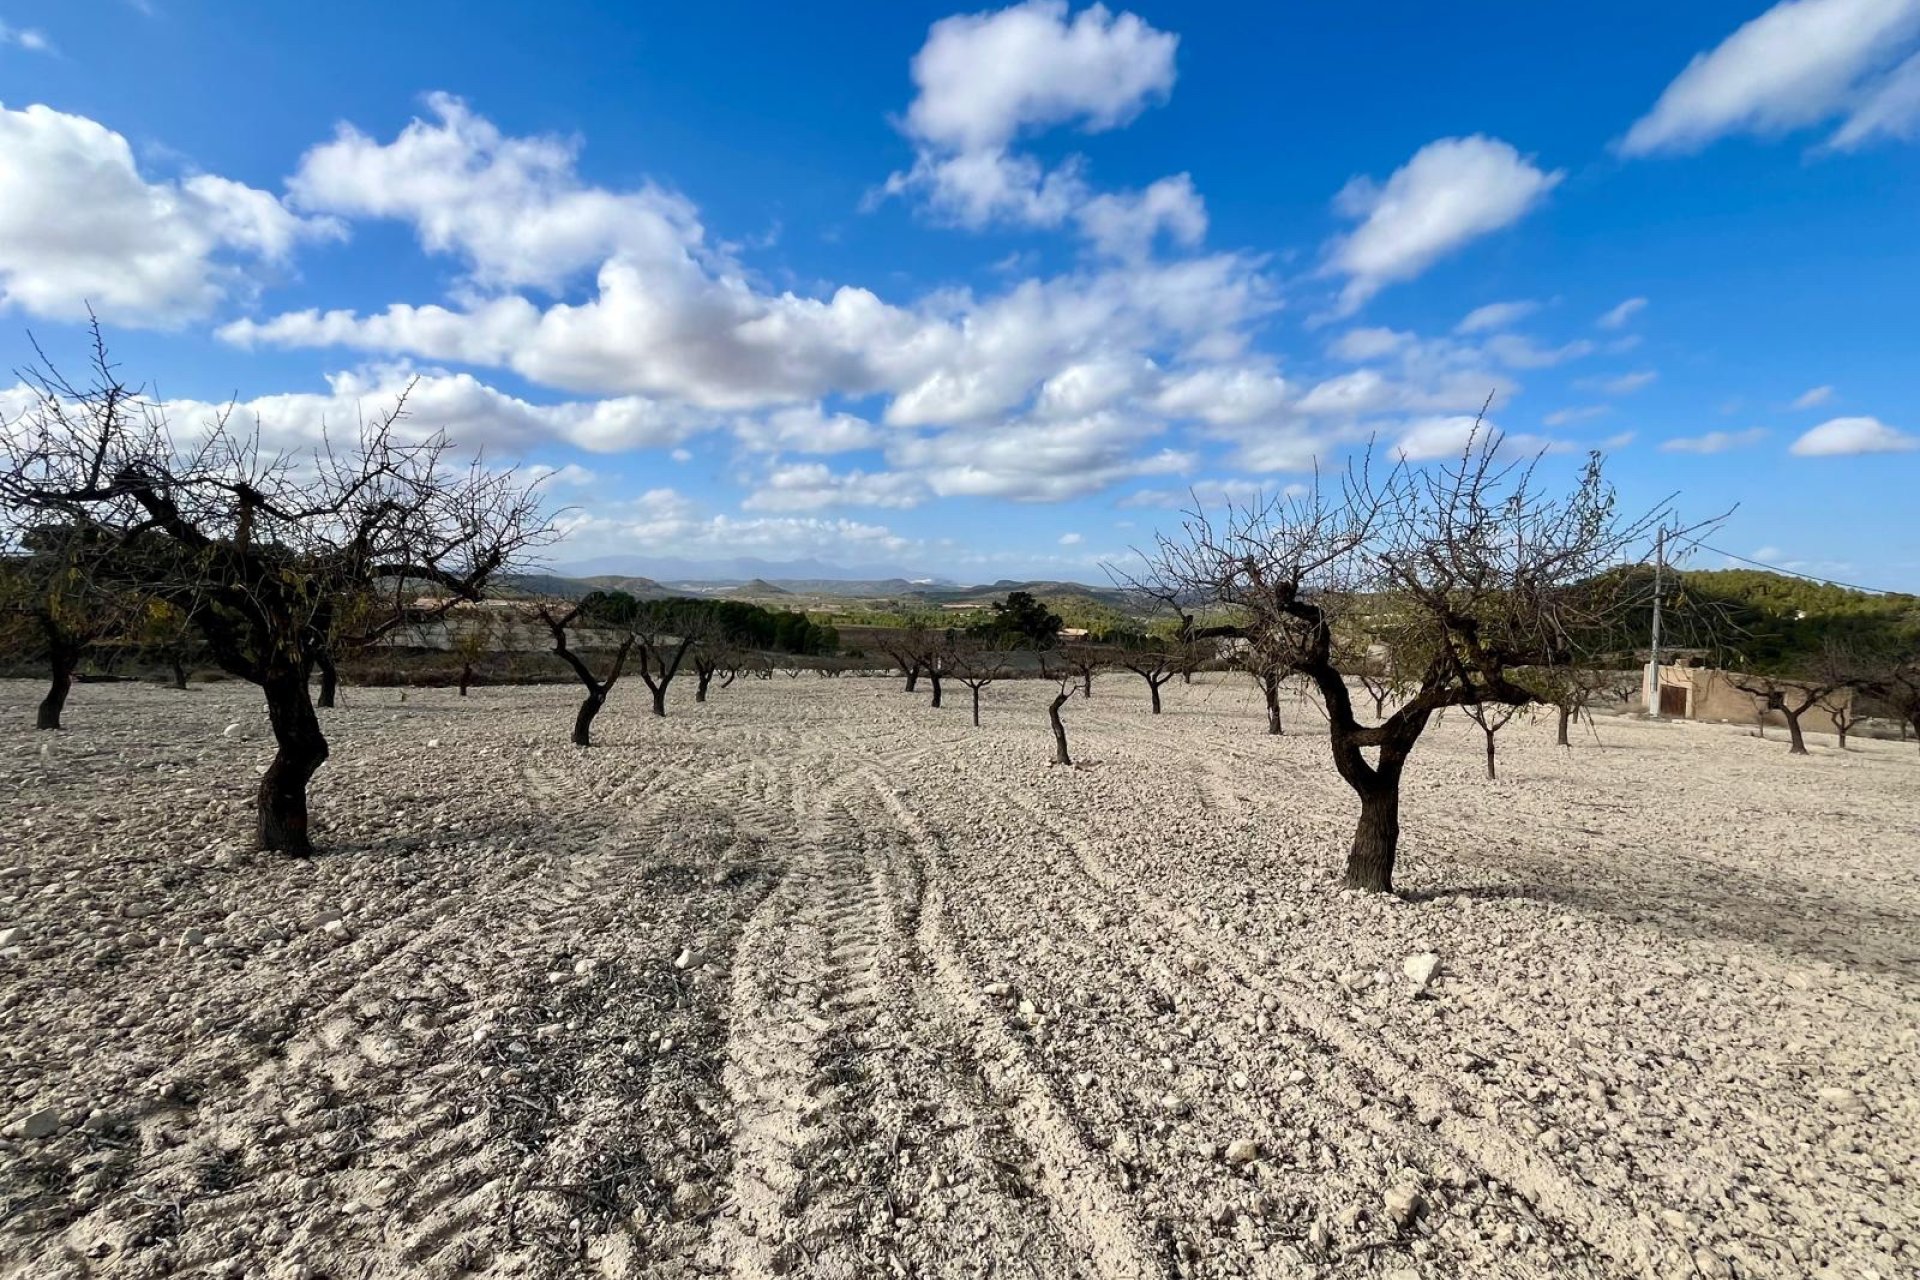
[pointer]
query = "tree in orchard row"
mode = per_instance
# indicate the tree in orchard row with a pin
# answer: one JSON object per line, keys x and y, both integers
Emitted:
{"x": 269, "y": 554}
{"x": 1466, "y": 572}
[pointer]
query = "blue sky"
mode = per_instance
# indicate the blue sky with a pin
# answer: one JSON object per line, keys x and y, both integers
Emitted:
{"x": 986, "y": 292}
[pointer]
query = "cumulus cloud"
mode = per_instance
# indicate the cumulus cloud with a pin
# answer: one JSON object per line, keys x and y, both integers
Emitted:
{"x": 80, "y": 225}
{"x": 670, "y": 317}
{"x": 1450, "y": 193}
{"x": 668, "y": 523}
{"x": 1813, "y": 397}
{"x": 1368, "y": 344}
{"x": 1495, "y": 316}
{"x": 513, "y": 209}
{"x": 1034, "y": 461}
{"x": 985, "y": 80}
{"x": 1800, "y": 63}
{"x": 1714, "y": 441}
{"x": 1429, "y": 439}
{"x": 1071, "y": 539}
{"x": 1617, "y": 317}
{"x": 806, "y": 429}
{"x": 473, "y": 415}
{"x": 1840, "y": 437}
{"x": 809, "y": 486}
{"x": 984, "y": 77}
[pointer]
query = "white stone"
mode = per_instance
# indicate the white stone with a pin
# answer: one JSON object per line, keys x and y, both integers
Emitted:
{"x": 585, "y": 967}
{"x": 1242, "y": 1151}
{"x": 230, "y": 730}
{"x": 1421, "y": 969}
{"x": 192, "y": 938}
{"x": 13, "y": 936}
{"x": 686, "y": 959}
{"x": 1404, "y": 1204}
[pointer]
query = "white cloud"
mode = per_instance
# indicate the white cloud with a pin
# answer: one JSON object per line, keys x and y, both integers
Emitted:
{"x": 28, "y": 38}
{"x": 1839, "y": 437}
{"x": 1428, "y": 439}
{"x": 806, "y": 429}
{"x": 1798, "y": 64}
{"x": 512, "y": 208}
{"x": 1071, "y": 539}
{"x": 668, "y": 523}
{"x": 1495, "y": 316}
{"x": 670, "y": 317}
{"x": 809, "y": 486}
{"x": 1813, "y": 398}
{"x": 1714, "y": 441}
{"x": 985, "y": 77}
{"x": 1451, "y": 192}
{"x": 1562, "y": 417}
{"x": 474, "y": 415}
{"x": 1517, "y": 352}
{"x": 1224, "y": 395}
{"x": 985, "y": 80}
{"x": 1126, "y": 225}
{"x": 1623, "y": 384}
{"x": 572, "y": 474}
{"x": 1036, "y": 461}
{"x": 79, "y": 225}
{"x": 1617, "y": 317}
{"x": 1368, "y": 344}
{"x": 1891, "y": 107}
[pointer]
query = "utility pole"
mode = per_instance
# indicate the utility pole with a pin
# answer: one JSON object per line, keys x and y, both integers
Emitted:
{"x": 1653, "y": 665}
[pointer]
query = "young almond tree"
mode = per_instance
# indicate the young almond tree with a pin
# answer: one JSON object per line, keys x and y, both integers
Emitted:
{"x": 264, "y": 553}
{"x": 1466, "y": 573}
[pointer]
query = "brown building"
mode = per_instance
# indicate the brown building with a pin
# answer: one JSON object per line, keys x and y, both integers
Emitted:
{"x": 1688, "y": 692}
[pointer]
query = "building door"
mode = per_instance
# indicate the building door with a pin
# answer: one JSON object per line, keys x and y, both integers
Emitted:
{"x": 1673, "y": 701}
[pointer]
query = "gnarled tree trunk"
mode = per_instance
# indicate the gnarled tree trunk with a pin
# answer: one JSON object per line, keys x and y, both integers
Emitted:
{"x": 63, "y": 660}
{"x": 466, "y": 677}
{"x": 300, "y": 751}
{"x": 934, "y": 676}
{"x": 329, "y": 677}
{"x": 1376, "y": 839}
{"x": 976, "y": 706}
{"x": 704, "y": 678}
{"x": 1154, "y": 688}
{"x": 1797, "y": 742}
{"x": 179, "y": 671}
{"x": 1060, "y": 755}
{"x": 583, "y": 719}
{"x": 1560, "y": 736}
{"x": 1270, "y": 685}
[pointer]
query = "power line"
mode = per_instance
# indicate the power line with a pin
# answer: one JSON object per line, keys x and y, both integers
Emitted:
{"x": 1795, "y": 573}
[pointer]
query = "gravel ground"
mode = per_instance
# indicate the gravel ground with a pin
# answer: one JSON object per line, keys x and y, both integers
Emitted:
{"x": 815, "y": 980}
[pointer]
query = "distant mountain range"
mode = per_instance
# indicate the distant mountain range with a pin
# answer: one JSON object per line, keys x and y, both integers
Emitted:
{"x": 737, "y": 569}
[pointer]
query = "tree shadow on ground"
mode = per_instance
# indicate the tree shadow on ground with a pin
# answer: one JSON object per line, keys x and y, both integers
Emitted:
{"x": 1792, "y": 919}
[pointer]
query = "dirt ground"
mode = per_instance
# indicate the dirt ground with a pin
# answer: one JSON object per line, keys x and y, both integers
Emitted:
{"x": 814, "y": 980}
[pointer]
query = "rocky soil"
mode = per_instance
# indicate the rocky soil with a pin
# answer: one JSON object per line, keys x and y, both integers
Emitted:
{"x": 815, "y": 980}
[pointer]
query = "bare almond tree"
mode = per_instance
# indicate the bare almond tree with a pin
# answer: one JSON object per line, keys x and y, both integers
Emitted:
{"x": 1156, "y": 663}
{"x": 1492, "y": 718}
{"x": 264, "y": 551}
{"x": 470, "y": 634}
{"x": 1791, "y": 698}
{"x": 660, "y": 658}
{"x": 1084, "y": 661}
{"x": 597, "y": 687}
{"x": 907, "y": 646}
{"x": 1062, "y": 693}
{"x": 1466, "y": 572}
{"x": 56, "y": 598}
{"x": 977, "y": 663}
